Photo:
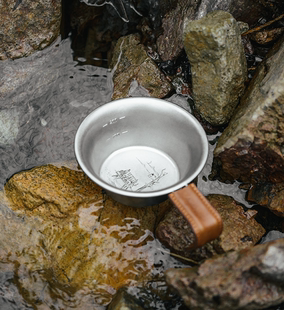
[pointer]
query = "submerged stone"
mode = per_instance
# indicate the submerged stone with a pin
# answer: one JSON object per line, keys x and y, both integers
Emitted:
{"x": 268, "y": 195}
{"x": 251, "y": 148}
{"x": 246, "y": 279}
{"x": 130, "y": 62}
{"x": 89, "y": 239}
{"x": 218, "y": 65}
{"x": 27, "y": 26}
{"x": 240, "y": 230}
{"x": 51, "y": 191}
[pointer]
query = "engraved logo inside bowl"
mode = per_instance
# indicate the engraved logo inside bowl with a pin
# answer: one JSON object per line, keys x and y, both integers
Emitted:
{"x": 139, "y": 168}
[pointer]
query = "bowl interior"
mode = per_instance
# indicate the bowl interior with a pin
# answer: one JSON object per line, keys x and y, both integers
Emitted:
{"x": 141, "y": 145}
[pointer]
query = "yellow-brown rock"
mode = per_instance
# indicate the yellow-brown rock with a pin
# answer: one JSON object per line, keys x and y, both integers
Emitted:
{"x": 90, "y": 240}
{"x": 51, "y": 191}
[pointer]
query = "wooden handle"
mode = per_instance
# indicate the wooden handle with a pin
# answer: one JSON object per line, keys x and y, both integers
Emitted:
{"x": 205, "y": 221}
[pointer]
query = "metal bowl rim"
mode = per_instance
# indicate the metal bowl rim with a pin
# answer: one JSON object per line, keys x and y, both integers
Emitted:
{"x": 145, "y": 194}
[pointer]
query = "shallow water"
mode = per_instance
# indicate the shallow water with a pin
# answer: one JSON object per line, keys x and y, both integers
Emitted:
{"x": 37, "y": 272}
{"x": 44, "y": 98}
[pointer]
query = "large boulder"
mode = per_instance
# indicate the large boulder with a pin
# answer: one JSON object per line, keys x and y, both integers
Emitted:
{"x": 246, "y": 279}
{"x": 218, "y": 65}
{"x": 251, "y": 148}
{"x": 240, "y": 230}
{"x": 27, "y": 26}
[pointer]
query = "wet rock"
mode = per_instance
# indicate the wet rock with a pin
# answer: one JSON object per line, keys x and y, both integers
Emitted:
{"x": 27, "y": 26}
{"x": 251, "y": 148}
{"x": 51, "y": 190}
{"x": 268, "y": 219}
{"x": 151, "y": 295}
{"x": 272, "y": 235}
{"x": 246, "y": 279}
{"x": 130, "y": 62}
{"x": 268, "y": 195}
{"x": 267, "y": 36}
{"x": 180, "y": 101}
{"x": 243, "y": 10}
{"x": 240, "y": 230}
{"x": 170, "y": 43}
{"x": 123, "y": 300}
{"x": 215, "y": 52}
{"x": 89, "y": 239}
{"x": 19, "y": 238}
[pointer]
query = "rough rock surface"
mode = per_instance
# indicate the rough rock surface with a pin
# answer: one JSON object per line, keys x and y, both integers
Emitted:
{"x": 59, "y": 190}
{"x": 89, "y": 239}
{"x": 240, "y": 230}
{"x": 251, "y": 148}
{"x": 244, "y": 10}
{"x": 218, "y": 65}
{"x": 27, "y": 26}
{"x": 246, "y": 279}
{"x": 123, "y": 300}
{"x": 268, "y": 195}
{"x": 170, "y": 43}
{"x": 130, "y": 62}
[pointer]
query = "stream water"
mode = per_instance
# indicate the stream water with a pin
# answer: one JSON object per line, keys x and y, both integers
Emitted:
{"x": 44, "y": 98}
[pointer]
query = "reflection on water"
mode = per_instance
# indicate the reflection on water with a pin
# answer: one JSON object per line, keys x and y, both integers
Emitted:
{"x": 44, "y": 97}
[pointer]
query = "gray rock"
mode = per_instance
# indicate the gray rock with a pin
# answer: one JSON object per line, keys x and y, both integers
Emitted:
{"x": 170, "y": 43}
{"x": 180, "y": 101}
{"x": 215, "y": 52}
{"x": 28, "y": 26}
{"x": 271, "y": 263}
{"x": 272, "y": 235}
{"x": 246, "y": 279}
{"x": 130, "y": 62}
{"x": 251, "y": 148}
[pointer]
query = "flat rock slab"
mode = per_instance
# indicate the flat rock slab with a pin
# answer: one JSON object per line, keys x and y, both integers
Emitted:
{"x": 88, "y": 239}
{"x": 218, "y": 65}
{"x": 251, "y": 148}
{"x": 59, "y": 190}
{"x": 27, "y": 26}
{"x": 246, "y": 279}
{"x": 131, "y": 63}
{"x": 240, "y": 230}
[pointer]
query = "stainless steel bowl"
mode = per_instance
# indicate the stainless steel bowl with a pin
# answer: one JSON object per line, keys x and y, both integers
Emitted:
{"x": 141, "y": 149}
